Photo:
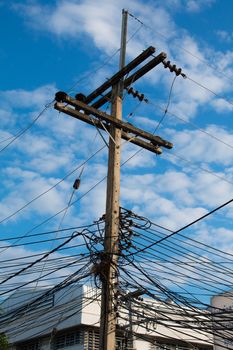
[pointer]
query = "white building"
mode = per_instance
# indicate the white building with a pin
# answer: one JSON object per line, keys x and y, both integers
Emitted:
{"x": 69, "y": 319}
{"x": 222, "y": 309}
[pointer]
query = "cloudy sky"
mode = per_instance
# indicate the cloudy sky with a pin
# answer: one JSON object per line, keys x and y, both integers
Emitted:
{"x": 73, "y": 46}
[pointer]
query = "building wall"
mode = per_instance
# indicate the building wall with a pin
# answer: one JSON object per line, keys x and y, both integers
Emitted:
{"x": 78, "y": 338}
{"x": 223, "y": 304}
{"x": 78, "y": 307}
{"x": 61, "y": 312}
{"x": 91, "y": 309}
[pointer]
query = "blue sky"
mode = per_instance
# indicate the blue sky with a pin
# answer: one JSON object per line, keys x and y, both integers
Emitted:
{"x": 68, "y": 45}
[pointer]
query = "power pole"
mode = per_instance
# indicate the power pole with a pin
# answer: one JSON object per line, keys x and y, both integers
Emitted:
{"x": 83, "y": 108}
{"x": 111, "y": 241}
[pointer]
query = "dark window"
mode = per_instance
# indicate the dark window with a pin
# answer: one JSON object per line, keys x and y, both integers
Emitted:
{"x": 29, "y": 346}
{"x": 67, "y": 339}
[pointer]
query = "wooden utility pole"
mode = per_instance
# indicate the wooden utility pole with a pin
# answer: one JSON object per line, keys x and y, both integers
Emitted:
{"x": 85, "y": 108}
{"x": 111, "y": 241}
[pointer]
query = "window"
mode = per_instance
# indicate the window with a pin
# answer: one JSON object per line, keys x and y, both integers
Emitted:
{"x": 121, "y": 344}
{"x": 67, "y": 339}
{"x": 29, "y": 346}
{"x": 172, "y": 346}
{"x": 91, "y": 341}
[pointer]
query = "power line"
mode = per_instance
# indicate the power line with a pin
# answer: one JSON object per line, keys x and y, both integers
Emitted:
{"x": 7, "y": 139}
{"x": 74, "y": 235}
{"x": 194, "y": 257}
{"x": 71, "y": 279}
{"x": 35, "y": 242}
{"x": 207, "y": 248}
{"x": 48, "y": 232}
{"x": 186, "y": 270}
{"x": 214, "y": 67}
{"x": 52, "y": 187}
{"x": 209, "y": 90}
{"x": 177, "y": 247}
{"x": 36, "y": 279}
{"x": 108, "y": 59}
{"x": 184, "y": 311}
{"x": 199, "y": 167}
{"x": 168, "y": 104}
{"x": 72, "y": 203}
{"x": 64, "y": 209}
{"x": 23, "y": 131}
{"x": 190, "y": 123}
{"x": 176, "y": 155}
{"x": 188, "y": 225}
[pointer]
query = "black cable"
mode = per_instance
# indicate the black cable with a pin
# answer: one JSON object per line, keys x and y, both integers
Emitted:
{"x": 21, "y": 132}
{"x": 176, "y": 155}
{"x": 105, "y": 62}
{"x": 45, "y": 330}
{"x": 188, "y": 122}
{"x": 74, "y": 235}
{"x": 192, "y": 256}
{"x": 167, "y": 106}
{"x": 52, "y": 187}
{"x": 29, "y": 311}
{"x": 69, "y": 280}
{"x": 197, "y": 242}
{"x": 47, "y": 232}
{"x": 188, "y": 225}
{"x": 34, "y": 242}
{"x": 187, "y": 313}
{"x": 215, "y": 68}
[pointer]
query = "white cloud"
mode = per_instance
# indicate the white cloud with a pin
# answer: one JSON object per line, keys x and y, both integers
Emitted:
{"x": 41, "y": 269}
{"x": 76, "y": 19}
{"x": 58, "y": 143}
{"x": 188, "y": 95}
{"x": 38, "y": 144}
{"x": 211, "y": 191}
{"x": 171, "y": 215}
{"x": 168, "y": 198}
{"x": 175, "y": 198}
{"x": 216, "y": 237}
{"x": 189, "y": 5}
{"x": 48, "y": 163}
{"x": 133, "y": 157}
{"x": 224, "y": 36}
{"x": 6, "y": 122}
{"x": 72, "y": 19}
{"x": 196, "y": 6}
{"x": 23, "y": 186}
{"x": 28, "y": 99}
{"x": 202, "y": 148}
{"x": 222, "y": 106}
